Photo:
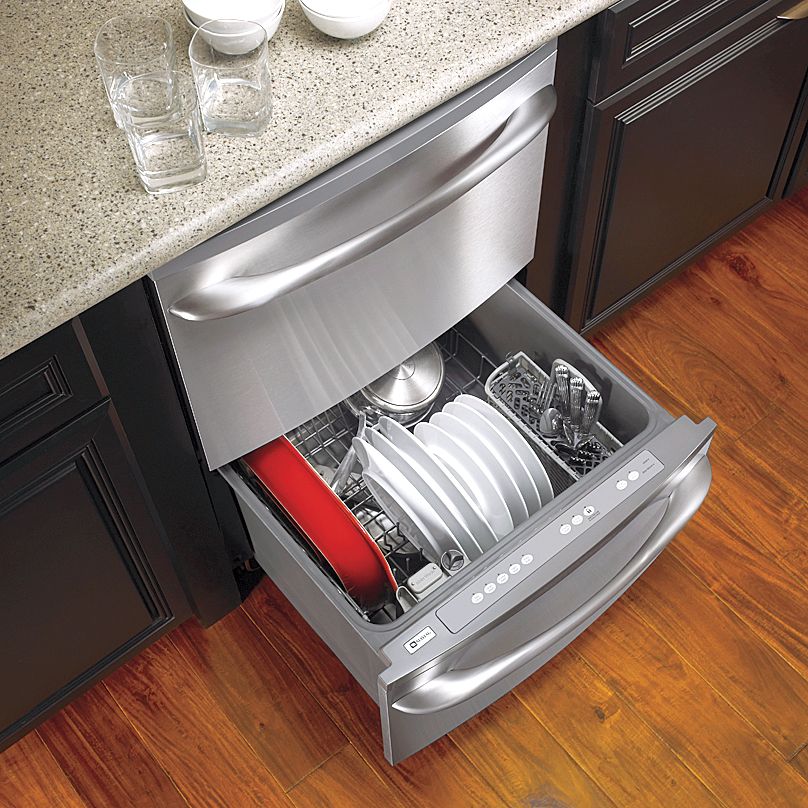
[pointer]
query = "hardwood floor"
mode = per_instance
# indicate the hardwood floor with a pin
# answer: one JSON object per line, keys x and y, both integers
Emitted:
{"x": 692, "y": 690}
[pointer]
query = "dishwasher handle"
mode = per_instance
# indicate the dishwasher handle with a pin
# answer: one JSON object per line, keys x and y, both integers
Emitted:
{"x": 242, "y": 293}
{"x": 455, "y": 686}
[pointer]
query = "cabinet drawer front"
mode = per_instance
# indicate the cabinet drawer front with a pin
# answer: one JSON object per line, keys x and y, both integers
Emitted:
{"x": 639, "y": 35}
{"x": 43, "y": 386}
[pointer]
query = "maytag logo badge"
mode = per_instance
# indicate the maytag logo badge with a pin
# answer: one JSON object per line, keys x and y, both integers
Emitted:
{"x": 421, "y": 638}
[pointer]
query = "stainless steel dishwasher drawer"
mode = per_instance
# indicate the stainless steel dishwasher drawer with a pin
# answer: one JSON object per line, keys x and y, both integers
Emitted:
{"x": 297, "y": 307}
{"x": 452, "y": 655}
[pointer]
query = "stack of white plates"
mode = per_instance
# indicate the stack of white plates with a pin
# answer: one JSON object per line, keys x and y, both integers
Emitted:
{"x": 267, "y": 13}
{"x": 464, "y": 480}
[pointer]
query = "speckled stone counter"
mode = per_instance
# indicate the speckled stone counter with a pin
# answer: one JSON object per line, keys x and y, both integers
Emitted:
{"x": 77, "y": 226}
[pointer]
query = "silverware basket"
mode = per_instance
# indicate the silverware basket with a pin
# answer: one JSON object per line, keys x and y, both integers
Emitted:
{"x": 513, "y": 388}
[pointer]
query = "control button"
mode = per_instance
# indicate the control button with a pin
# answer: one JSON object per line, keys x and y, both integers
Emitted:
{"x": 477, "y": 597}
{"x": 621, "y": 484}
{"x": 489, "y": 588}
{"x": 514, "y": 568}
{"x": 577, "y": 519}
{"x": 588, "y": 510}
{"x": 564, "y": 529}
{"x": 526, "y": 558}
{"x": 634, "y": 475}
{"x": 502, "y": 578}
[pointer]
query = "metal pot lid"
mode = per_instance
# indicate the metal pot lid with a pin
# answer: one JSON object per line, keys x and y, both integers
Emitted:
{"x": 413, "y": 384}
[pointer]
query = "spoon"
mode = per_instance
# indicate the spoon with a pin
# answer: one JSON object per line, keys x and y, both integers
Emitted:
{"x": 551, "y": 423}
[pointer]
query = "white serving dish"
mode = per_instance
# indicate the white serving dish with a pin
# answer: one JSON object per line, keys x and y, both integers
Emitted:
{"x": 235, "y": 44}
{"x": 202, "y": 11}
{"x": 345, "y": 20}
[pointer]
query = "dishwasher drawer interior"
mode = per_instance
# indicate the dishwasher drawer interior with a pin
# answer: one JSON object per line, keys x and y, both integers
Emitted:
{"x": 569, "y": 570}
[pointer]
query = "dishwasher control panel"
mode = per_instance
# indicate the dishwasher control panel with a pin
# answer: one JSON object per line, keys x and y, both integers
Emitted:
{"x": 514, "y": 568}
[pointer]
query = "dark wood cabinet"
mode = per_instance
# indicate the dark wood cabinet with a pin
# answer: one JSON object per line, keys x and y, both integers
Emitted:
{"x": 108, "y": 536}
{"x": 85, "y": 578}
{"x": 689, "y": 123}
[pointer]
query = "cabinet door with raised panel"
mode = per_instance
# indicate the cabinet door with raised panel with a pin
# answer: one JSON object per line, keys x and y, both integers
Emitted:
{"x": 84, "y": 580}
{"x": 679, "y": 159}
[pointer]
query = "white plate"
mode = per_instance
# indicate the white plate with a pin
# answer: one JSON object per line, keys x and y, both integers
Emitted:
{"x": 402, "y": 503}
{"x": 502, "y": 449}
{"x": 516, "y": 441}
{"x": 430, "y": 490}
{"x": 473, "y": 477}
{"x": 413, "y": 449}
{"x": 488, "y": 459}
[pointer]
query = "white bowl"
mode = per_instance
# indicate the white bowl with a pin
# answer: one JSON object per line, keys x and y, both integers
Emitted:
{"x": 237, "y": 44}
{"x": 368, "y": 18}
{"x": 202, "y": 11}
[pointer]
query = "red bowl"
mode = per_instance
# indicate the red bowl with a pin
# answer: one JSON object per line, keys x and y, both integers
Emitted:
{"x": 324, "y": 520}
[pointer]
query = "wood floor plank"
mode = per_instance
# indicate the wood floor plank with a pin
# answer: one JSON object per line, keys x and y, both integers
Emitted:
{"x": 747, "y": 672}
{"x": 761, "y": 499}
{"x": 30, "y": 777}
{"x": 261, "y": 695}
{"x": 780, "y": 446}
{"x": 744, "y": 574}
{"x": 682, "y": 373}
{"x": 523, "y": 761}
{"x": 736, "y": 763}
{"x": 800, "y": 762}
{"x": 103, "y": 756}
{"x": 344, "y": 779}
{"x": 421, "y": 779}
{"x": 750, "y": 286}
{"x": 632, "y": 765}
{"x": 188, "y": 734}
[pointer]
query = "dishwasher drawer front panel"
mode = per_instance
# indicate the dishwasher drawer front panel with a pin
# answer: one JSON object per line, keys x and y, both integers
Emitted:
{"x": 259, "y": 373}
{"x": 430, "y": 702}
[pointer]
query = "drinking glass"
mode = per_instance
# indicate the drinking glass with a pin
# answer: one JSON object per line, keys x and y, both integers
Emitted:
{"x": 132, "y": 45}
{"x": 160, "y": 116}
{"x": 231, "y": 69}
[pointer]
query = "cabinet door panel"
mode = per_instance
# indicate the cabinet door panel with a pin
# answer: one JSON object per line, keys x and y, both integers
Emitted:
{"x": 680, "y": 160}
{"x": 76, "y": 587}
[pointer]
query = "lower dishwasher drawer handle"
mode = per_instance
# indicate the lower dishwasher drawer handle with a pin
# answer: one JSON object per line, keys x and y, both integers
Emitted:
{"x": 242, "y": 293}
{"x": 456, "y": 686}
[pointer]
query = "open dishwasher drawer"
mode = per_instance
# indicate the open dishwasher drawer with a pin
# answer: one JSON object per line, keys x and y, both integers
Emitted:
{"x": 277, "y": 321}
{"x": 452, "y": 654}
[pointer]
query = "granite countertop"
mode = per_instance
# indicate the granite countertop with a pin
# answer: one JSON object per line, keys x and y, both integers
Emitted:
{"x": 77, "y": 226}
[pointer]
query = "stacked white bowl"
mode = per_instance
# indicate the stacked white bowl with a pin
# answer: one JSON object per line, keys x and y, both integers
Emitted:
{"x": 345, "y": 19}
{"x": 266, "y": 13}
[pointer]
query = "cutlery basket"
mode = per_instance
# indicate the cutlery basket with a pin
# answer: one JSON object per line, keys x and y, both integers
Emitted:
{"x": 513, "y": 388}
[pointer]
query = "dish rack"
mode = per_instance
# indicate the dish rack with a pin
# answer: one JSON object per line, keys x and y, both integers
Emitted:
{"x": 325, "y": 439}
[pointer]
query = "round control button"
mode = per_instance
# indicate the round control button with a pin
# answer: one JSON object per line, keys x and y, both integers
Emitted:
{"x": 526, "y": 558}
{"x": 621, "y": 484}
{"x": 514, "y": 568}
{"x": 502, "y": 578}
{"x": 564, "y": 529}
{"x": 477, "y": 597}
{"x": 577, "y": 519}
{"x": 634, "y": 475}
{"x": 489, "y": 588}
{"x": 588, "y": 510}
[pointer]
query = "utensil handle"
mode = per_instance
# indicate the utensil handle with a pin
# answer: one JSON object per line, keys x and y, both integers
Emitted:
{"x": 242, "y": 293}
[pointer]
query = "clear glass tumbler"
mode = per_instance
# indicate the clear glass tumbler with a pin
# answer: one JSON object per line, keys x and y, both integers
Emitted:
{"x": 231, "y": 69}
{"x": 160, "y": 116}
{"x": 132, "y": 45}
